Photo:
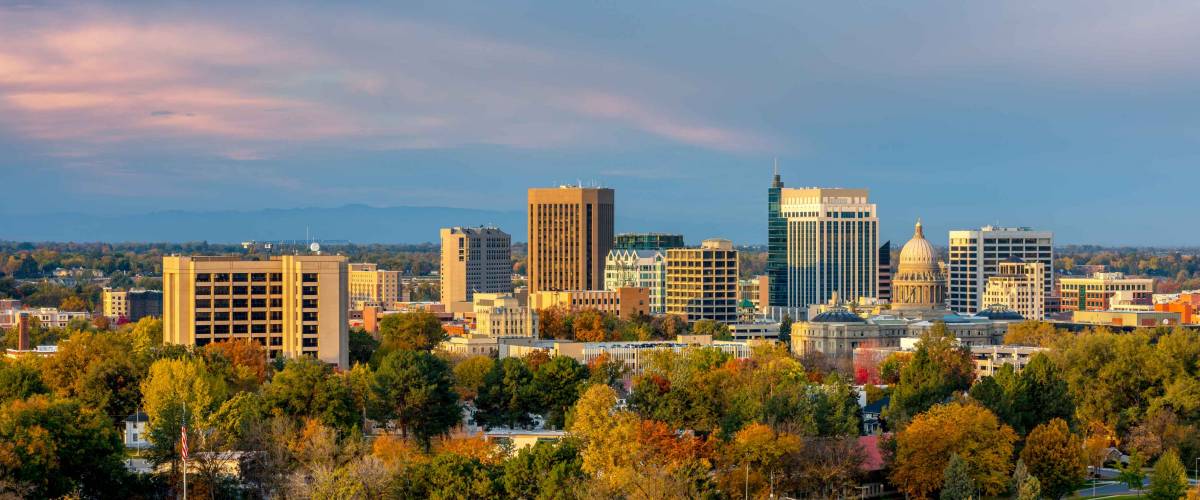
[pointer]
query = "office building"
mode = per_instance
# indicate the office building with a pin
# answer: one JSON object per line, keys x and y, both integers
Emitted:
{"x": 777, "y": 247}
{"x": 647, "y": 241}
{"x": 754, "y": 292}
{"x": 1018, "y": 286}
{"x": 885, "y": 272}
{"x": 131, "y": 305}
{"x": 47, "y": 317}
{"x": 624, "y": 302}
{"x": 641, "y": 269}
{"x": 503, "y": 315}
{"x": 474, "y": 260}
{"x": 1099, "y": 291}
{"x": 370, "y": 286}
{"x": 702, "y": 283}
{"x": 1129, "y": 319}
{"x": 975, "y": 255}
{"x": 570, "y": 233}
{"x": 293, "y": 305}
{"x": 831, "y": 246}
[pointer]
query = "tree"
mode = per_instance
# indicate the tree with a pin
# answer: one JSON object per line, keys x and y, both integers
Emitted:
{"x": 826, "y": 466}
{"x": 589, "y": 326}
{"x": 939, "y": 367}
{"x": 419, "y": 331}
{"x": 923, "y": 448}
{"x": 146, "y": 334}
{"x": 718, "y": 330}
{"x": 785, "y": 329}
{"x": 957, "y": 483}
{"x": 1032, "y": 333}
{"x": 73, "y": 303}
{"x": 243, "y": 361}
{"x": 1169, "y": 479}
{"x": 1041, "y": 395}
{"x": 469, "y": 375}
{"x": 544, "y": 470}
{"x": 1030, "y": 489}
{"x": 508, "y": 396}
{"x": 758, "y": 449}
{"x": 172, "y": 385}
{"x": 99, "y": 370}
{"x": 362, "y": 346}
{"x": 451, "y": 476}
{"x": 416, "y": 390}
{"x": 1055, "y": 456}
{"x": 308, "y": 388}
{"x": 554, "y": 323}
{"x": 20, "y": 379}
{"x": 53, "y": 447}
{"x": 1131, "y": 473}
{"x": 556, "y": 384}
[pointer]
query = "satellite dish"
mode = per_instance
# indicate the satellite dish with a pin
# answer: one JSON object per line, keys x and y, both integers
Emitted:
{"x": 316, "y": 247}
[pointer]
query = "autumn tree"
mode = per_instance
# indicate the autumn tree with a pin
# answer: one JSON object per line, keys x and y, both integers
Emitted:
{"x": 1032, "y": 333}
{"x": 98, "y": 369}
{"x": 416, "y": 390}
{"x": 718, "y": 330}
{"x": 308, "y": 388}
{"x": 470, "y": 374}
{"x": 177, "y": 392}
{"x": 242, "y": 360}
{"x": 589, "y": 326}
{"x": 760, "y": 453}
{"x": 51, "y": 447}
{"x": 20, "y": 379}
{"x": 545, "y": 470}
{"x": 924, "y": 447}
{"x": 421, "y": 331}
{"x": 1055, "y": 456}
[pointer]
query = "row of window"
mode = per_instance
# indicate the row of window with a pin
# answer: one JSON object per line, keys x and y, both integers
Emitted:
{"x": 251, "y": 277}
{"x": 225, "y": 329}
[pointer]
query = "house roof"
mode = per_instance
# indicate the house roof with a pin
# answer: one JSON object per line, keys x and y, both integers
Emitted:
{"x": 137, "y": 417}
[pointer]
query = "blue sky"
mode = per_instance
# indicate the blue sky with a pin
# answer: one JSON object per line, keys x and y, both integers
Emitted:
{"x": 1079, "y": 117}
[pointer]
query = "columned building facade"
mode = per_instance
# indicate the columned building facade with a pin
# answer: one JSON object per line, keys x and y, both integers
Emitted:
{"x": 832, "y": 238}
{"x": 570, "y": 234}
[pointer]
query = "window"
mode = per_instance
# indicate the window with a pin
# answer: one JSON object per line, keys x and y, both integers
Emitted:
{"x": 240, "y": 302}
{"x": 258, "y": 316}
{"x": 309, "y": 303}
{"x": 276, "y": 289}
{"x": 220, "y": 303}
{"x": 276, "y": 328}
{"x": 309, "y": 290}
{"x": 309, "y": 277}
{"x": 203, "y": 290}
{"x": 201, "y": 342}
{"x": 258, "y": 277}
{"x": 239, "y": 328}
{"x": 276, "y": 340}
{"x": 222, "y": 277}
{"x": 221, "y": 329}
{"x": 203, "y": 329}
{"x": 308, "y": 316}
{"x": 239, "y": 290}
{"x": 276, "y": 277}
{"x": 308, "y": 342}
{"x": 239, "y": 316}
{"x": 221, "y": 316}
{"x": 203, "y": 277}
{"x": 258, "y": 290}
{"x": 221, "y": 290}
{"x": 308, "y": 329}
{"x": 276, "y": 315}
{"x": 276, "y": 302}
{"x": 203, "y": 303}
{"x": 258, "y": 302}
{"x": 203, "y": 316}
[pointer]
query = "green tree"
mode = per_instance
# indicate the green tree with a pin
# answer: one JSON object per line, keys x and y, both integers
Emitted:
{"x": 53, "y": 447}
{"x": 1041, "y": 395}
{"x": 957, "y": 483}
{"x": 557, "y": 384}
{"x": 362, "y": 346}
{"x": 99, "y": 369}
{"x": 1031, "y": 489}
{"x": 544, "y": 470}
{"x": 939, "y": 367}
{"x": 20, "y": 379}
{"x": 173, "y": 385}
{"x": 452, "y": 476}
{"x": 508, "y": 396}
{"x": 1168, "y": 481}
{"x": 419, "y": 331}
{"x": 1055, "y": 456}
{"x": 416, "y": 390}
{"x": 1131, "y": 474}
{"x": 470, "y": 374}
{"x": 307, "y": 387}
{"x": 785, "y": 329}
{"x": 718, "y": 330}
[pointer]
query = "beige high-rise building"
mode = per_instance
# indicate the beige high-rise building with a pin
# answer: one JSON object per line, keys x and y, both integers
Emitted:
{"x": 474, "y": 260}
{"x": 293, "y": 305}
{"x": 570, "y": 234}
{"x": 832, "y": 245}
{"x": 1018, "y": 286}
{"x": 702, "y": 283}
{"x": 371, "y": 287}
{"x": 975, "y": 254}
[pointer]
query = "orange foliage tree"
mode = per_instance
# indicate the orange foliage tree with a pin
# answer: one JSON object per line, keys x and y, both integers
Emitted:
{"x": 923, "y": 449}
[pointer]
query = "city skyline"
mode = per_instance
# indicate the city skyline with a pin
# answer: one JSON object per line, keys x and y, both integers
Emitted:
{"x": 1012, "y": 114}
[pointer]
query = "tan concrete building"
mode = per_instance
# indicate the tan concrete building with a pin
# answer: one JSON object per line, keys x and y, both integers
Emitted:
{"x": 702, "y": 283}
{"x": 115, "y": 303}
{"x": 503, "y": 315}
{"x": 131, "y": 305}
{"x": 625, "y": 302}
{"x": 756, "y": 291}
{"x": 1020, "y": 287}
{"x": 474, "y": 260}
{"x": 293, "y": 305}
{"x": 570, "y": 234}
{"x": 832, "y": 245}
{"x": 1096, "y": 292}
{"x": 974, "y": 255}
{"x": 1147, "y": 319}
{"x": 370, "y": 286}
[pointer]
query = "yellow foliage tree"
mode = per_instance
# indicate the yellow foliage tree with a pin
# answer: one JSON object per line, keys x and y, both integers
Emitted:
{"x": 923, "y": 449}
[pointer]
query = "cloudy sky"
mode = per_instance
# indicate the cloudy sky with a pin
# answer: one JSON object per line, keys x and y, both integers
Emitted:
{"x": 1079, "y": 117}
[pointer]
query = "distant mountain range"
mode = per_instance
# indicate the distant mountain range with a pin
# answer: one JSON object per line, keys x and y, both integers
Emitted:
{"x": 356, "y": 223}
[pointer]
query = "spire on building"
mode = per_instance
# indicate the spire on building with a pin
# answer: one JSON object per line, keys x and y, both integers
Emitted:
{"x": 776, "y": 182}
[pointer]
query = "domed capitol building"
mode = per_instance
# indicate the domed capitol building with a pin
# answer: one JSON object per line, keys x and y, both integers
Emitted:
{"x": 918, "y": 302}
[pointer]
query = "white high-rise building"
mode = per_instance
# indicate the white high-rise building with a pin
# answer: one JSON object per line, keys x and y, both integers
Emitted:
{"x": 641, "y": 269}
{"x": 975, "y": 256}
{"x": 1020, "y": 287}
{"x": 832, "y": 245}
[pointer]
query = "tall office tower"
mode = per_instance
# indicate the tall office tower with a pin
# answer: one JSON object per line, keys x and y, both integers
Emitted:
{"x": 885, "y": 272}
{"x": 702, "y": 283}
{"x": 647, "y": 241}
{"x": 832, "y": 245}
{"x": 1018, "y": 286}
{"x": 293, "y": 305}
{"x": 371, "y": 287}
{"x": 638, "y": 268}
{"x": 570, "y": 233}
{"x": 474, "y": 259}
{"x": 975, "y": 256}
{"x": 777, "y": 246}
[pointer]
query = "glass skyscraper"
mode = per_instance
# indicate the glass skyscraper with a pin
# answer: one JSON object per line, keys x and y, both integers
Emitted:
{"x": 776, "y": 245}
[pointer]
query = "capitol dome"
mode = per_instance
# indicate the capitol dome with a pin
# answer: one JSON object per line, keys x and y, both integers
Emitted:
{"x": 918, "y": 282}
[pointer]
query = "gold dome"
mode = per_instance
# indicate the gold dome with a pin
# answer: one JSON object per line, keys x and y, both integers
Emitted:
{"x": 918, "y": 254}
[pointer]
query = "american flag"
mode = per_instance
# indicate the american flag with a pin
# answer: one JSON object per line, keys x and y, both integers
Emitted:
{"x": 183, "y": 440}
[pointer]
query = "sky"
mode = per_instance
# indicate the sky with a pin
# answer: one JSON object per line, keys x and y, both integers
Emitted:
{"x": 1080, "y": 117}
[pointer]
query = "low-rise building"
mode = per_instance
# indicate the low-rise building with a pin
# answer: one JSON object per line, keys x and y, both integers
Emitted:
{"x": 625, "y": 302}
{"x": 1148, "y": 319}
{"x": 838, "y": 333}
{"x": 502, "y": 315}
{"x": 990, "y": 358}
{"x": 136, "y": 433}
{"x": 132, "y": 305}
{"x": 1187, "y": 304}
{"x": 632, "y": 354}
{"x": 1018, "y": 286}
{"x": 1095, "y": 293}
{"x": 757, "y": 330}
{"x": 47, "y": 317}
{"x": 471, "y": 345}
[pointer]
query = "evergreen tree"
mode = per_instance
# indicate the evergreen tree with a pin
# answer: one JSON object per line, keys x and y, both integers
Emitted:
{"x": 957, "y": 483}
